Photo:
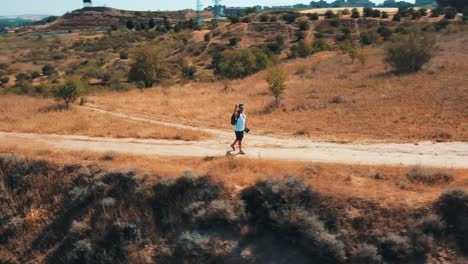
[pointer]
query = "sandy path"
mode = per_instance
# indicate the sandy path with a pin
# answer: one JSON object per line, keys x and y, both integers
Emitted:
{"x": 454, "y": 154}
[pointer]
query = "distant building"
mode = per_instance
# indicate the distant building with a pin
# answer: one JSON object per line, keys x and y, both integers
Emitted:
{"x": 393, "y": 3}
{"x": 235, "y": 11}
{"x": 342, "y": 3}
{"x": 425, "y": 3}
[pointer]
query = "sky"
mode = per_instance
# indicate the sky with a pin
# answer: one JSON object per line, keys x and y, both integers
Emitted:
{"x": 59, "y": 7}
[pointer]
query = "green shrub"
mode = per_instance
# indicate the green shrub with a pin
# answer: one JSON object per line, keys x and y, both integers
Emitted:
{"x": 385, "y": 32}
{"x": 450, "y": 12}
{"x": 301, "y": 49}
{"x": 304, "y": 26}
{"x": 408, "y": 53}
{"x": 384, "y": 15}
{"x": 368, "y": 12}
{"x": 235, "y": 64}
{"x": 189, "y": 71}
{"x": 4, "y": 80}
{"x": 437, "y": 11}
{"x": 234, "y": 40}
{"x": 273, "y": 19}
{"x": 355, "y": 13}
{"x": 345, "y": 12}
{"x": 147, "y": 68}
{"x": 313, "y": 16}
{"x": 123, "y": 55}
{"x": 290, "y": 17}
{"x": 320, "y": 45}
{"x": 35, "y": 75}
{"x": 246, "y": 19}
{"x": 442, "y": 24}
{"x": 369, "y": 37}
{"x": 130, "y": 24}
{"x": 48, "y": 70}
{"x": 278, "y": 45}
{"x": 264, "y": 18}
{"x": 234, "y": 19}
{"x": 396, "y": 17}
{"x": 207, "y": 37}
{"x": 376, "y": 13}
{"x": 329, "y": 14}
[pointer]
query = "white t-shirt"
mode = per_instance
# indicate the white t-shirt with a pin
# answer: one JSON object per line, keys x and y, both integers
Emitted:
{"x": 240, "y": 125}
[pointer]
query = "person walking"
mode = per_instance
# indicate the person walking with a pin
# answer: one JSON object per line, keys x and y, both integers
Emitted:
{"x": 239, "y": 121}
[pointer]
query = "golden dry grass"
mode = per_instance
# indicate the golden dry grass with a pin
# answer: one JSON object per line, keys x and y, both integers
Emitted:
{"x": 23, "y": 114}
{"x": 391, "y": 188}
{"x": 430, "y": 105}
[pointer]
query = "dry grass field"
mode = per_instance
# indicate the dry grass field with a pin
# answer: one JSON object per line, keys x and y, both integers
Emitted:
{"x": 387, "y": 185}
{"x": 328, "y": 98}
{"x": 32, "y": 115}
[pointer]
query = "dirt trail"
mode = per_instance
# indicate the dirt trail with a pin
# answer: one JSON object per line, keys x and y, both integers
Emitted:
{"x": 454, "y": 154}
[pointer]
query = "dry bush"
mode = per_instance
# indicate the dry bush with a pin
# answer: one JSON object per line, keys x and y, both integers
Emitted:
{"x": 429, "y": 176}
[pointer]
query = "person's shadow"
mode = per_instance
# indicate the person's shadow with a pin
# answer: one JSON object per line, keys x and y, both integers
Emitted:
{"x": 231, "y": 154}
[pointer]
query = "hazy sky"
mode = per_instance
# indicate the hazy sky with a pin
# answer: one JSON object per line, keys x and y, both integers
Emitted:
{"x": 58, "y": 7}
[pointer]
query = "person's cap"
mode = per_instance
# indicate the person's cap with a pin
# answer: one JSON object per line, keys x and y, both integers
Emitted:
{"x": 241, "y": 105}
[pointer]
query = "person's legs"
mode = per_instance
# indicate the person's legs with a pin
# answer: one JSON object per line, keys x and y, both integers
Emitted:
{"x": 233, "y": 145}
{"x": 240, "y": 147}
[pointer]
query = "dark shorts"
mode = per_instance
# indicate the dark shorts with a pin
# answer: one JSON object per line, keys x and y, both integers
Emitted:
{"x": 239, "y": 135}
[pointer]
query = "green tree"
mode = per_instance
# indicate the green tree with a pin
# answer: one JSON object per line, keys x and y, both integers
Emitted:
{"x": 355, "y": 13}
{"x": 276, "y": 79}
{"x": 68, "y": 92}
{"x": 329, "y": 14}
{"x": 148, "y": 68}
{"x": 408, "y": 53}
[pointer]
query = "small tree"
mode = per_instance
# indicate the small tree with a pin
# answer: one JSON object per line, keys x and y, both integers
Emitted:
{"x": 396, "y": 17}
{"x": 147, "y": 68}
{"x": 410, "y": 52}
{"x": 384, "y": 15}
{"x": 276, "y": 79}
{"x": 68, "y": 92}
{"x": 355, "y": 13}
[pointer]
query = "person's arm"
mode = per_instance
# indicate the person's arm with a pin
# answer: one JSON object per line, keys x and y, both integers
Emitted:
{"x": 235, "y": 110}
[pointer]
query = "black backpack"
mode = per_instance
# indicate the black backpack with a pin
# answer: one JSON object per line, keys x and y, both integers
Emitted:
{"x": 233, "y": 119}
